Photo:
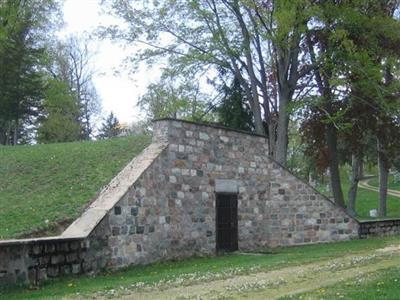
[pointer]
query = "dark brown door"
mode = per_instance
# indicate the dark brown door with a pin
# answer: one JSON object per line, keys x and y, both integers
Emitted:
{"x": 227, "y": 222}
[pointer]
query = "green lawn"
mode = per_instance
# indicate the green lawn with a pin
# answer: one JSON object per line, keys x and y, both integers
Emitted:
{"x": 200, "y": 268}
{"x": 384, "y": 284}
{"x": 44, "y": 184}
{"x": 366, "y": 199}
{"x": 391, "y": 184}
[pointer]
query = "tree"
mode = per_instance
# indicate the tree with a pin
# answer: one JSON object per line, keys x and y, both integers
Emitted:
{"x": 70, "y": 62}
{"x": 110, "y": 127}
{"x": 173, "y": 96}
{"x": 349, "y": 44}
{"x": 256, "y": 42}
{"x": 25, "y": 25}
{"x": 60, "y": 122}
{"x": 234, "y": 111}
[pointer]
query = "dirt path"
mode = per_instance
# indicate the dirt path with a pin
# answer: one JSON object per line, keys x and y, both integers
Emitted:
{"x": 273, "y": 284}
{"x": 364, "y": 184}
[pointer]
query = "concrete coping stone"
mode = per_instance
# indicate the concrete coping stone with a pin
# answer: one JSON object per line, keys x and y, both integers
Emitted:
{"x": 59, "y": 238}
{"x": 379, "y": 221}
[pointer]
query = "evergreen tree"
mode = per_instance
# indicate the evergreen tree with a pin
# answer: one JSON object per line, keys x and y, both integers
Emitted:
{"x": 234, "y": 111}
{"x": 24, "y": 27}
{"x": 110, "y": 127}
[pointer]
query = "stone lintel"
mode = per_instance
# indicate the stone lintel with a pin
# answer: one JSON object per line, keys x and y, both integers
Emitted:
{"x": 226, "y": 186}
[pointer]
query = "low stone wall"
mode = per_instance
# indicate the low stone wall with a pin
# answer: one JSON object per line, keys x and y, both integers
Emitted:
{"x": 38, "y": 260}
{"x": 32, "y": 261}
{"x": 379, "y": 228}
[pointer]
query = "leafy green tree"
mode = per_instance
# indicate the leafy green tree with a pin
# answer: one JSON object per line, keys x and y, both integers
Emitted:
{"x": 350, "y": 43}
{"x": 256, "y": 42}
{"x": 174, "y": 96}
{"x": 60, "y": 122}
{"x": 110, "y": 127}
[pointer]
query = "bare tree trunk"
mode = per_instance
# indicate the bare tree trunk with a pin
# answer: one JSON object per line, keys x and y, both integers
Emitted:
{"x": 15, "y": 133}
{"x": 361, "y": 171}
{"x": 334, "y": 165}
{"x": 383, "y": 178}
{"x": 280, "y": 153}
{"x": 356, "y": 162}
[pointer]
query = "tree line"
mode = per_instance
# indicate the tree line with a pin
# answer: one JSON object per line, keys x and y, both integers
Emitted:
{"x": 330, "y": 67}
{"x": 47, "y": 93}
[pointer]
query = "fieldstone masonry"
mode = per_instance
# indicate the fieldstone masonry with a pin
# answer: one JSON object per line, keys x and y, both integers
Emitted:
{"x": 379, "y": 228}
{"x": 163, "y": 206}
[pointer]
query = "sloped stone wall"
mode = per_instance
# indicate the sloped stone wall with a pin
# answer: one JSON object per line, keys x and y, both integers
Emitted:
{"x": 170, "y": 211}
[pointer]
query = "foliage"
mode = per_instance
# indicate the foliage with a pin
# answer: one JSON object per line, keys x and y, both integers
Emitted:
{"x": 70, "y": 61}
{"x": 352, "y": 43}
{"x": 24, "y": 26}
{"x": 110, "y": 127}
{"x": 249, "y": 41}
{"x": 173, "y": 96}
{"x": 234, "y": 111}
{"x": 366, "y": 199}
{"x": 61, "y": 112}
{"x": 45, "y": 184}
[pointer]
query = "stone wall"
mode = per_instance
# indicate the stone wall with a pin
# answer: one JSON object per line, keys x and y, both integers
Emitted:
{"x": 169, "y": 212}
{"x": 33, "y": 261}
{"x": 39, "y": 260}
{"x": 162, "y": 206}
{"x": 379, "y": 228}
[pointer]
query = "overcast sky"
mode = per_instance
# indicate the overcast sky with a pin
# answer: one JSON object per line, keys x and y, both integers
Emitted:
{"x": 119, "y": 93}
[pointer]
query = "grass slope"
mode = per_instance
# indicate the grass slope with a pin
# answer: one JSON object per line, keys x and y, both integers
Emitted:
{"x": 44, "y": 184}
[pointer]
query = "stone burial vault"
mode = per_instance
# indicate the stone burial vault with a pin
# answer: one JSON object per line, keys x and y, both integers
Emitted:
{"x": 196, "y": 190}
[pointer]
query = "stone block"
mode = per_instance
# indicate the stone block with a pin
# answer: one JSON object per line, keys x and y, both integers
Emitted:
{"x": 71, "y": 257}
{"x": 115, "y": 230}
{"x": 76, "y": 269}
{"x": 57, "y": 259}
{"x": 139, "y": 229}
{"x": 53, "y": 271}
{"x": 134, "y": 211}
{"x": 204, "y": 136}
{"x": 37, "y": 249}
{"x": 49, "y": 248}
{"x": 74, "y": 246}
{"x": 117, "y": 210}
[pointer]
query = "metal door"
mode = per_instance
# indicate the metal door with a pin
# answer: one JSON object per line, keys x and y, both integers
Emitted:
{"x": 227, "y": 222}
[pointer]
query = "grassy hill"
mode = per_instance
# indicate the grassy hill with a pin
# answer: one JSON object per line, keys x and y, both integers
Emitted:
{"x": 45, "y": 186}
